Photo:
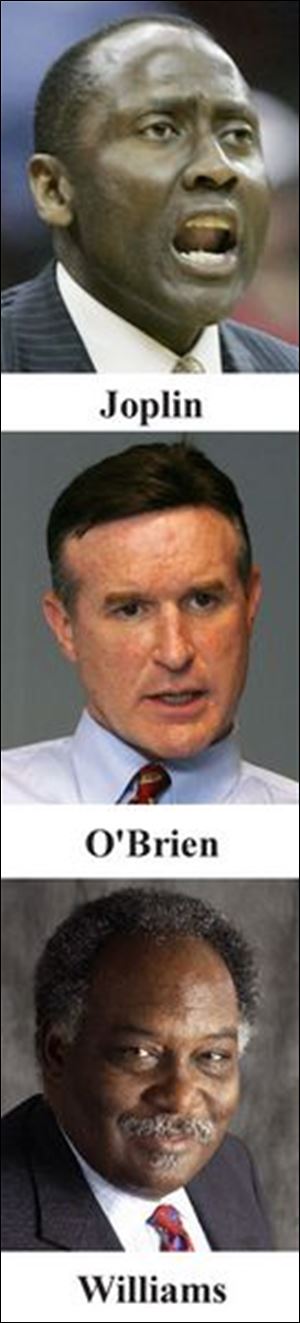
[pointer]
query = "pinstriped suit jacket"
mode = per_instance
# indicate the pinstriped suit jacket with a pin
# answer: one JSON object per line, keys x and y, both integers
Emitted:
{"x": 39, "y": 336}
{"x": 47, "y": 1204}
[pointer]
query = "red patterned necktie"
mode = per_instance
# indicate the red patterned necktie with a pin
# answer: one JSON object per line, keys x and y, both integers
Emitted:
{"x": 167, "y": 1222}
{"x": 151, "y": 781}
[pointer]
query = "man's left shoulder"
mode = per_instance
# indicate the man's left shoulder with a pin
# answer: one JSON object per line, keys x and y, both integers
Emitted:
{"x": 262, "y": 786}
{"x": 247, "y": 349}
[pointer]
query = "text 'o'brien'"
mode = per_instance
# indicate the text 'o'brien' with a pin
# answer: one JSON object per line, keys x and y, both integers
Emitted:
{"x": 136, "y": 843}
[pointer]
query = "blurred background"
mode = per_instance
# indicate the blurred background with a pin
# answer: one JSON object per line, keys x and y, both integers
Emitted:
{"x": 261, "y": 35}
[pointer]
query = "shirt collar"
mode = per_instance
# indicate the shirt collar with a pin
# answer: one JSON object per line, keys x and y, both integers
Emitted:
{"x": 104, "y": 765}
{"x": 111, "y": 1196}
{"x": 114, "y": 344}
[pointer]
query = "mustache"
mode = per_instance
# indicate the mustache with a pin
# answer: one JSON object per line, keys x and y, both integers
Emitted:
{"x": 168, "y": 1127}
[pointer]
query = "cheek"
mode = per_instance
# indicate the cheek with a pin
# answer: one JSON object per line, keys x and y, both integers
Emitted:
{"x": 117, "y": 1092}
{"x": 114, "y": 656}
{"x": 229, "y": 1097}
{"x": 258, "y": 200}
{"x": 226, "y": 644}
{"x": 97, "y": 650}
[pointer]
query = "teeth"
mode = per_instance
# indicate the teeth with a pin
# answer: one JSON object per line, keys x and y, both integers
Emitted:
{"x": 200, "y": 257}
{"x": 207, "y": 222}
{"x": 177, "y": 698}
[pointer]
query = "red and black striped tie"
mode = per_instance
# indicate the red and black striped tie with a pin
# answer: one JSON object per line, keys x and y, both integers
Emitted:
{"x": 151, "y": 781}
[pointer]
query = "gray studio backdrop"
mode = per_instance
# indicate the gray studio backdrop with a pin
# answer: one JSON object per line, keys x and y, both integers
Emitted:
{"x": 42, "y": 697}
{"x": 267, "y": 912}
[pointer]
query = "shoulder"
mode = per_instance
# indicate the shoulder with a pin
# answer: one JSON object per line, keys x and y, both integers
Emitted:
{"x": 38, "y": 772}
{"x": 258, "y": 351}
{"x": 27, "y": 315}
{"x": 14, "y": 1122}
{"x": 233, "y": 1156}
{"x": 18, "y": 297}
{"x": 18, "y": 1193}
{"x": 264, "y": 786}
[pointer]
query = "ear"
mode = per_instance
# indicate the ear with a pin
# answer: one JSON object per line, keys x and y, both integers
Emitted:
{"x": 52, "y": 189}
{"x": 60, "y": 622}
{"x": 55, "y": 1052}
{"x": 254, "y": 595}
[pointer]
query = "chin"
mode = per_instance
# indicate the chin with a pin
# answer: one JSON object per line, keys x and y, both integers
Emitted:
{"x": 181, "y": 748}
{"x": 206, "y": 303}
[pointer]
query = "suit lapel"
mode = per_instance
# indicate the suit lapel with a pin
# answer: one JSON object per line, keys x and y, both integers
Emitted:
{"x": 225, "y": 1201}
{"x": 236, "y": 356}
{"x": 68, "y": 1215}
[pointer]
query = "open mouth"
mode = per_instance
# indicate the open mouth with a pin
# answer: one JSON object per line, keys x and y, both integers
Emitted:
{"x": 207, "y": 242}
{"x": 182, "y": 698}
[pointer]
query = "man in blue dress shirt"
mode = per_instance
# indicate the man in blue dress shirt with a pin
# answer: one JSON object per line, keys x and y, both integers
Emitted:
{"x": 154, "y": 597}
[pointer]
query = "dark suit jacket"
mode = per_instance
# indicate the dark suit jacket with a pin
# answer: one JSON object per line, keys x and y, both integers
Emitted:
{"x": 47, "y": 1204}
{"x": 39, "y": 336}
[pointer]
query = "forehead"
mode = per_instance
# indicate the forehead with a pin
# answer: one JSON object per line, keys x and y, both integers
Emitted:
{"x": 181, "y": 977}
{"x": 158, "y": 544}
{"x": 154, "y": 60}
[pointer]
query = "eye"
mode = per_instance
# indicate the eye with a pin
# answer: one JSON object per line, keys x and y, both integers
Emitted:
{"x": 128, "y": 610}
{"x": 135, "y": 1058}
{"x": 214, "y": 1061}
{"x": 159, "y": 130}
{"x": 240, "y": 135}
{"x": 203, "y": 600}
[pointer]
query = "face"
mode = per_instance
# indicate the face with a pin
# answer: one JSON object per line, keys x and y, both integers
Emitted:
{"x": 160, "y": 627}
{"x": 166, "y": 198}
{"x": 147, "y": 1090}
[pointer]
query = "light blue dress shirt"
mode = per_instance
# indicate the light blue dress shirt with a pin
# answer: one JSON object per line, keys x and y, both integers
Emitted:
{"x": 93, "y": 766}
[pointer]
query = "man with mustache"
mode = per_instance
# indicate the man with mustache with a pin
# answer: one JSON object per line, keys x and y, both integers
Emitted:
{"x": 148, "y": 169}
{"x": 144, "y": 1004}
{"x": 154, "y": 597}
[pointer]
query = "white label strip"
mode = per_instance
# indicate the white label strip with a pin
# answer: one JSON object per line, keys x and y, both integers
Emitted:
{"x": 137, "y": 842}
{"x": 148, "y": 403}
{"x": 237, "y": 1288}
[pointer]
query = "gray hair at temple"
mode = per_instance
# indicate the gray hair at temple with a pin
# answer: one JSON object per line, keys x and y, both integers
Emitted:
{"x": 65, "y": 969}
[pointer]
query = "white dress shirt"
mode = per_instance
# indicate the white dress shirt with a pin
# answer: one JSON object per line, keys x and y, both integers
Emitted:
{"x": 114, "y": 345}
{"x": 93, "y": 766}
{"x": 129, "y": 1213}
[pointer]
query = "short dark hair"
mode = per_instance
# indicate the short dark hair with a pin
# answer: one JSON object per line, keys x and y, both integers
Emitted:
{"x": 140, "y": 480}
{"x": 67, "y": 86}
{"x": 65, "y": 969}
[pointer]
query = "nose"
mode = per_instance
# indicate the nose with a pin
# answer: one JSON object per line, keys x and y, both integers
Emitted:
{"x": 177, "y": 1092}
{"x": 174, "y": 647}
{"x": 209, "y": 165}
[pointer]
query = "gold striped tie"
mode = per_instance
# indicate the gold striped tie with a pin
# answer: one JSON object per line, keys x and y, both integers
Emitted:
{"x": 188, "y": 364}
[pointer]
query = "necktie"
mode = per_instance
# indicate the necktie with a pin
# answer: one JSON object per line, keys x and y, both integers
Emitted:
{"x": 151, "y": 781}
{"x": 188, "y": 364}
{"x": 167, "y": 1222}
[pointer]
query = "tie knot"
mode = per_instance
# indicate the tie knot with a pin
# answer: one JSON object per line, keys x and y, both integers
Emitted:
{"x": 151, "y": 781}
{"x": 168, "y": 1223}
{"x": 188, "y": 364}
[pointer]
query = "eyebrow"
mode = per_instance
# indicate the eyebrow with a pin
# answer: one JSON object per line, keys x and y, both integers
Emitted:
{"x": 223, "y": 107}
{"x": 209, "y": 585}
{"x": 225, "y": 1032}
